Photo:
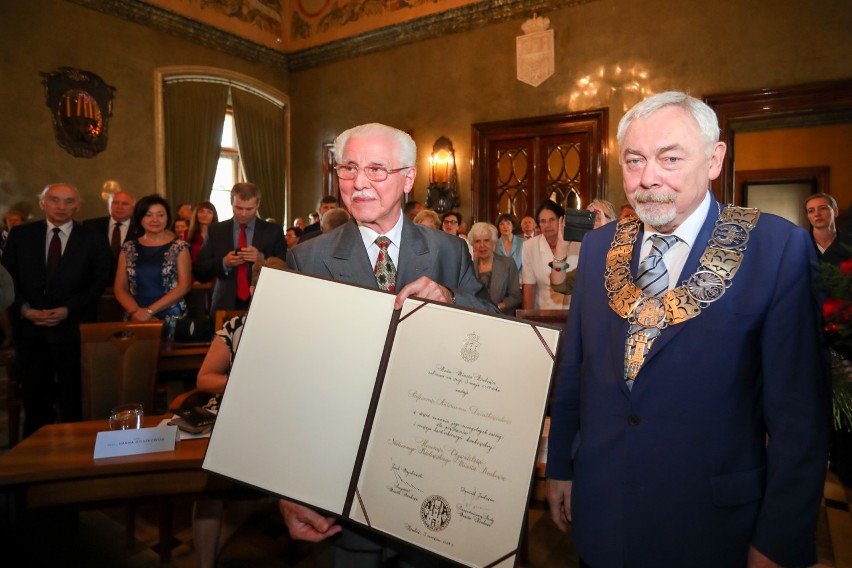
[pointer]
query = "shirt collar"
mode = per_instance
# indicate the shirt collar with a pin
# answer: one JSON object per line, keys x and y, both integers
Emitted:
{"x": 64, "y": 227}
{"x": 395, "y": 234}
{"x": 689, "y": 229}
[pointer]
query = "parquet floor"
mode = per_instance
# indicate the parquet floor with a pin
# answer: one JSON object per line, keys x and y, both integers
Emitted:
{"x": 97, "y": 537}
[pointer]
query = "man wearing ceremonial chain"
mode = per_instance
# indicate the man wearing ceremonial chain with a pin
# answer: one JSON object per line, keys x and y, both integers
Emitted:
{"x": 690, "y": 420}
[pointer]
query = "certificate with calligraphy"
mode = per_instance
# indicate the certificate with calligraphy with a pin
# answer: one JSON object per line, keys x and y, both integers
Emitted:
{"x": 422, "y": 424}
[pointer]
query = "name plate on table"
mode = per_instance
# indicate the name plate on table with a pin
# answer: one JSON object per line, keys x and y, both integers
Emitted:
{"x": 114, "y": 443}
{"x": 422, "y": 424}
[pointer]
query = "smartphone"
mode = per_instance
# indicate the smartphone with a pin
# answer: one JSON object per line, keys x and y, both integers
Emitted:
{"x": 237, "y": 250}
{"x": 578, "y": 223}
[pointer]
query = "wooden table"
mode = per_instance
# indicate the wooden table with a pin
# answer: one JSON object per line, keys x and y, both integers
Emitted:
{"x": 553, "y": 317}
{"x": 54, "y": 468}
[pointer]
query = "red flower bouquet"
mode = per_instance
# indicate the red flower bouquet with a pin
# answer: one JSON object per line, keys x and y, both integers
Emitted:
{"x": 837, "y": 314}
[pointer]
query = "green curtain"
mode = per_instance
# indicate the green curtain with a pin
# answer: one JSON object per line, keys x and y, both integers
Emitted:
{"x": 260, "y": 132}
{"x": 194, "y": 115}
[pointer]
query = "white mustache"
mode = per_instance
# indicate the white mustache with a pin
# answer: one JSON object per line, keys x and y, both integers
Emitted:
{"x": 364, "y": 194}
{"x": 653, "y": 197}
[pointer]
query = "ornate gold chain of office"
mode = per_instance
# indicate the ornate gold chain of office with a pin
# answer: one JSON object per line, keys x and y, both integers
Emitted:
{"x": 718, "y": 266}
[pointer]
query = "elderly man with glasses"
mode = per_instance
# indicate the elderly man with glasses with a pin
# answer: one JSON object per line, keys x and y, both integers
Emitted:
{"x": 380, "y": 248}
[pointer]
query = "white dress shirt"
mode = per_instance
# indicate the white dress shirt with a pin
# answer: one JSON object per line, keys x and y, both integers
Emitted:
{"x": 395, "y": 235}
{"x": 64, "y": 233}
{"x": 687, "y": 232}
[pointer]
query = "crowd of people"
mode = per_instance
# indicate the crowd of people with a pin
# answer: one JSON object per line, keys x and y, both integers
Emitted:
{"x": 694, "y": 437}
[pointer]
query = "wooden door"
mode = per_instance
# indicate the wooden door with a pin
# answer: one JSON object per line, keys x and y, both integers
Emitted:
{"x": 520, "y": 163}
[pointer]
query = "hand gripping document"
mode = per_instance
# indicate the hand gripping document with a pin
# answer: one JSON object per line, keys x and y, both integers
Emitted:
{"x": 422, "y": 423}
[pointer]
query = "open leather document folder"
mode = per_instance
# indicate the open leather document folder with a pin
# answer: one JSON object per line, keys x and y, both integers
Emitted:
{"x": 421, "y": 423}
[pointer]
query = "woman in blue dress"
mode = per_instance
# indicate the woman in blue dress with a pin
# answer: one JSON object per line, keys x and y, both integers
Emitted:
{"x": 510, "y": 243}
{"x": 154, "y": 271}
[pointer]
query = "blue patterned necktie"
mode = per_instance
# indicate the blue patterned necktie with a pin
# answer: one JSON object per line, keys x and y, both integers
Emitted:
{"x": 653, "y": 279}
{"x": 385, "y": 270}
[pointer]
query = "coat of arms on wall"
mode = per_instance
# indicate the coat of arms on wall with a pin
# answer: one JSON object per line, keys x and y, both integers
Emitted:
{"x": 80, "y": 103}
{"x": 535, "y": 52}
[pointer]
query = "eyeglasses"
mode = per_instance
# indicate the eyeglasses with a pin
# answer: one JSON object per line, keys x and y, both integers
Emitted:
{"x": 373, "y": 173}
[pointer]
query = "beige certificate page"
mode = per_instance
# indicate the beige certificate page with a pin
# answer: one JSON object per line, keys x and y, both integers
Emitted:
{"x": 293, "y": 412}
{"x": 453, "y": 445}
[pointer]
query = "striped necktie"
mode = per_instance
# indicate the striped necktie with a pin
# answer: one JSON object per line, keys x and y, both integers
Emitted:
{"x": 653, "y": 279}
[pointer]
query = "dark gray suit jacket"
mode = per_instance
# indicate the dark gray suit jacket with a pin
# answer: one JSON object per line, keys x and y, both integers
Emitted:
{"x": 505, "y": 285}
{"x": 340, "y": 255}
{"x": 268, "y": 238}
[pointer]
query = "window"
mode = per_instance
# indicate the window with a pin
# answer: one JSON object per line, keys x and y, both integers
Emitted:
{"x": 229, "y": 170}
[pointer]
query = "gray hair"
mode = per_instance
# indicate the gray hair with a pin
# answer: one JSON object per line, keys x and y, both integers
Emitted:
{"x": 608, "y": 208}
{"x": 404, "y": 146}
{"x": 47, "y": 188}
{"x": 708, "y": 124}
{"x": 479, "y": 229}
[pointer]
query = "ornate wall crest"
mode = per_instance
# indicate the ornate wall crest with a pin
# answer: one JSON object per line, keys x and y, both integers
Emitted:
{"x": 81, "y": 105}
{"x": 535, "y": 52}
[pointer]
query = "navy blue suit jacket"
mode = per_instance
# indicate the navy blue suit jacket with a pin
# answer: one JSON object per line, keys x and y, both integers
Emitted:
{"x": 722, "y": 443}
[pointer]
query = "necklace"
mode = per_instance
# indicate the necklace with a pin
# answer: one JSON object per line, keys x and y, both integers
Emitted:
{"x": 648, "y": 315}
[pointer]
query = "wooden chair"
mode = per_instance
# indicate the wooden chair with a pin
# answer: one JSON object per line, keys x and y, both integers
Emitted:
{"x": 225, "y": 315}
{"x": 200, "y": 299}
{"x": 119, "y": 364}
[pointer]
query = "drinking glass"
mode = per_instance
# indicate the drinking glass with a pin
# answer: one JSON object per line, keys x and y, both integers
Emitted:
{"x": 126, "y": 417}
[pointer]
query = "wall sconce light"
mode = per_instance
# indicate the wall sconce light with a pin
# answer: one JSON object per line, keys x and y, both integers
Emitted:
{"x": 442, "y": 194}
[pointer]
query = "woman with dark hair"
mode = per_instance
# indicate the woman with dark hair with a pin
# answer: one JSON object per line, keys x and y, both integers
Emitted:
{"x": 203, "y": 216}
{"x": 540, "y": 257}
{"x": 450, "y": 222}
{"x": 154, "y": 272}
{"x": 510, "y": 244}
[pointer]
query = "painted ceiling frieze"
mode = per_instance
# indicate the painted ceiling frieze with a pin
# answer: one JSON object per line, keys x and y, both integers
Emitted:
{"x": 318, "y": 21}
{"x": 299, "y": 34}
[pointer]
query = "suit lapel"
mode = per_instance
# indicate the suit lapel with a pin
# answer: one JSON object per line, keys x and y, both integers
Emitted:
{"x": 688, "y": 269}
{"x": 346, "y": 258}
{"x": 415, "y": 259}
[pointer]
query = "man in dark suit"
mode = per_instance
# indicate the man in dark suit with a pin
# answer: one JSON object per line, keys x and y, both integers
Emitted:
{"x": 233, "y": 246}
{"x": 60, "y": 269}
{"x": 118, "y": 226}
{"x": 375, "y": 167}
{"x": 689, "y": 425}
{"x": 326, "y": 204}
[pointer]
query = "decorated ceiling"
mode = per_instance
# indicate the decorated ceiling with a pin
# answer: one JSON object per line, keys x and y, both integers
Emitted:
{"x": 299, "y": 34}
{"x": 293, "y": 25}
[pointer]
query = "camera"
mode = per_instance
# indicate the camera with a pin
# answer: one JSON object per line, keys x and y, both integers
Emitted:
{"x": 578, "y": 223}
